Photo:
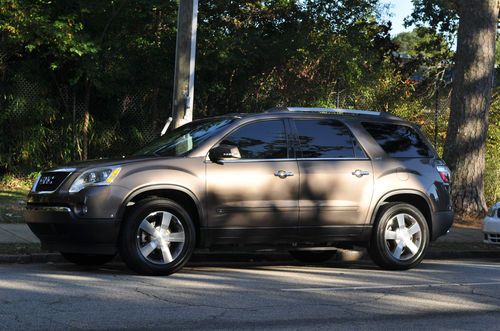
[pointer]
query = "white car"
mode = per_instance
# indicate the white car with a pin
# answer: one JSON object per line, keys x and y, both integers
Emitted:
{"x": 491, "y": 225}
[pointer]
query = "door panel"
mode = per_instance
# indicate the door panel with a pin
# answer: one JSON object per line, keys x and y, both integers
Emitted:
{"x": 250, "y": 196}
{"x": 330, "y": 195}
{"x": 336, "y": 180}
{"x": 254, "y": 199}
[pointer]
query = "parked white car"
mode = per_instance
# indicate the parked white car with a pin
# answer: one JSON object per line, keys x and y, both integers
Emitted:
{"x": 491, "y": 225}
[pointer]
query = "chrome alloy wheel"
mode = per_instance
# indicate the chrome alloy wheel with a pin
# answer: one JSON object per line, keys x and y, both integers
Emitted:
{"x": 160, "y": 237}
{"x": 403, "y": 237}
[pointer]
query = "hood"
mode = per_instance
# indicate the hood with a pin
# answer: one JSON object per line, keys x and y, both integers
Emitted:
{"x": 97, "y": 163}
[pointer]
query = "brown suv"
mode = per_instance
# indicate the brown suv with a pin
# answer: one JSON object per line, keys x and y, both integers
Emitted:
{"x": 303, "y": 179}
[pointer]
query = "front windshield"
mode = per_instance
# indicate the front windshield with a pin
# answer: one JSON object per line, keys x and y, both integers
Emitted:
{"x": 185, "y": 138}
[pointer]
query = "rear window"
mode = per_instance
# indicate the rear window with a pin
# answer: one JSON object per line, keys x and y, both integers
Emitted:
{"x": 398, "y": 140}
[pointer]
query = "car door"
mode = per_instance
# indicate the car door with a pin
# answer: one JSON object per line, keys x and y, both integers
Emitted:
{"x": 254, "y": 199}
{"x": 336, "y": 180}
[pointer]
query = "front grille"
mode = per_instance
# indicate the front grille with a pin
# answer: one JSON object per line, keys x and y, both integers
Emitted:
{"x": 50, "y": 181}
{"x": 494, "y": 237}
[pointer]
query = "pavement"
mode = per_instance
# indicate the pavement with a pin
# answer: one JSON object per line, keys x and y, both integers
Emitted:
{"x": 439, "y": 294}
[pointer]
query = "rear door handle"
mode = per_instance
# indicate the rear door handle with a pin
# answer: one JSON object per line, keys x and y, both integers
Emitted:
{"x": 283, "y": 174}
{"x": 360, "y": 173}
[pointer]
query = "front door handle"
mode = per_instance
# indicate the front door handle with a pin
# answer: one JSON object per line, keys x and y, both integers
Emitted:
{"x": 283, "y": 174}
{"x": 360, "y": 173}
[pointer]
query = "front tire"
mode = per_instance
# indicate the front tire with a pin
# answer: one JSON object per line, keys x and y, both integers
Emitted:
{"x": 87, "y": 259}
{"x": 157, "y": 238}
{"x": 312, "y": 256}
{"x": 400, "y": 237}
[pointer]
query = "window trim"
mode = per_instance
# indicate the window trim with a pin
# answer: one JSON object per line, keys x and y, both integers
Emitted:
{"x": 299, "y": 147}
{"x": 289, "y": 149}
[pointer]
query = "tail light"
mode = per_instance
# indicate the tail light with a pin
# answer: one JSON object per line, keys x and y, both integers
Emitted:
{"x": 444, "y": 173}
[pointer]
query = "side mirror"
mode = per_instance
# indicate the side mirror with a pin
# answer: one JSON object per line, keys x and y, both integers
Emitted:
{"x": 224, "y": 152}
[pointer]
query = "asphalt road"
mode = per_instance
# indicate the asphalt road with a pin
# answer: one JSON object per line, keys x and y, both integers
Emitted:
{"x": 455, "y": 294}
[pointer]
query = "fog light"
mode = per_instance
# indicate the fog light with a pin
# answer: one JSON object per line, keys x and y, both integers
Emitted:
{"x": 80, "y": 209}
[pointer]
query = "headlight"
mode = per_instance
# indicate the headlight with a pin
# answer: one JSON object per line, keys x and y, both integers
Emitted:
{"x": 95, "y": 177}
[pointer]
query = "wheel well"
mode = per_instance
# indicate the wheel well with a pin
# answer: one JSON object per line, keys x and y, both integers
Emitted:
{"x": 180, "y": 197}
{"x": 413, "y": 199}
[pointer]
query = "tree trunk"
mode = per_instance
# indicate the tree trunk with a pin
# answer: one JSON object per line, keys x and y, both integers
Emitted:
{"x": 465, "y": 145}
{"x": 86, "y": 122}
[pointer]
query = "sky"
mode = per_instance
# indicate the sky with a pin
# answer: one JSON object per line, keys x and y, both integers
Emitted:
{"x": 399, "y": 9}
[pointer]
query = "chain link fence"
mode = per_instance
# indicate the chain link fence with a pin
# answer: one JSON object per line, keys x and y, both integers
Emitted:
{"x": 42, "y": 125}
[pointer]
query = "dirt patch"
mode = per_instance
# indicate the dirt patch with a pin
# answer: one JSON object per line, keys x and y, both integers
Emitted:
{"x": 468, "y": 222}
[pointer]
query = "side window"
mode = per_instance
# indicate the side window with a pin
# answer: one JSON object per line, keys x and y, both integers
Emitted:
{"x": 398, "y": 140}
{"x": 326, "y": 138}
{"x": 260, "y": 140}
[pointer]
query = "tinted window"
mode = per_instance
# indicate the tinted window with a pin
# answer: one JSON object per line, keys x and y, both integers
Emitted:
{"x": 324, "y": 139}
{"x": 260, "y": 140}
{"x": 398, "y": 140}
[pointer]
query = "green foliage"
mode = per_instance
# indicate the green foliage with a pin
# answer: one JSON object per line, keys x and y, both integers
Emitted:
{"x": 492, "y": 174}
{"x": 441, "y": 15}
{"x": 115, "y": 60}
{"x": 424, "y": 43}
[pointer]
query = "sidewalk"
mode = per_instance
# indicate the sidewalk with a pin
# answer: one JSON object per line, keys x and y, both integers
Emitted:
{"x": 17, "y": 234}
{"x": 20, "y": 233}
{"x": 462, "y": 235}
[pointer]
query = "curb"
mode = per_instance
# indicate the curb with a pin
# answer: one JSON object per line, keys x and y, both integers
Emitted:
{"x": 31, "y": 258}
{"x": 200, "y": 258}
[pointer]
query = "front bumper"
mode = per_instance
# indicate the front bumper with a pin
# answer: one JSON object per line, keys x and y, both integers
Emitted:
{"x": 491, "y": 231}
{"x": 60, "y": 229}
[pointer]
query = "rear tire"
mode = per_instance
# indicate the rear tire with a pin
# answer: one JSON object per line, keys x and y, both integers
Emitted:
{"x": 312, "y": 256}
{"x": 400, "y": 237}
{"x": 87, "y": 259}
{"x": 157, "y": 238}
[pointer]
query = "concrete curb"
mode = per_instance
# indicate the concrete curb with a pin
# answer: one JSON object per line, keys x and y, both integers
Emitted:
{"x": 245, "y": 258}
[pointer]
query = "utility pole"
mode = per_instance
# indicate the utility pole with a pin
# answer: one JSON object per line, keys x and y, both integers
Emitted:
{"x": 185, "y": 55}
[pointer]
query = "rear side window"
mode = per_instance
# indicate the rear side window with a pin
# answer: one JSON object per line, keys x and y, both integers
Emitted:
{"x": 260, "y": 140}
{"x": 398, "y": 140}
{"x": 326, "y": 138}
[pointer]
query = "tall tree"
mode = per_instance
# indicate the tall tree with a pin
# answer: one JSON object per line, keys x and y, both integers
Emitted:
{"x": 465, "y": 146}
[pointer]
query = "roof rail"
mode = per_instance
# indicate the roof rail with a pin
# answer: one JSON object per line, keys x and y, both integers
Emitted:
{"x": 335, "y": 111}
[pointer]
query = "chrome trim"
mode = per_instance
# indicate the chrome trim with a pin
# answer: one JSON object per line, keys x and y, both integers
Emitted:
{"x": 283, "y": 174}
{"x": 257, "y": 160}
{"x": 298, "y": 159}
{"x": 62, "y": 170}
{"x": 360, "y": 173}
{"x": 62, "y": 182}
{"x": 333, "y": 159}
{"x": 49, "y": 208}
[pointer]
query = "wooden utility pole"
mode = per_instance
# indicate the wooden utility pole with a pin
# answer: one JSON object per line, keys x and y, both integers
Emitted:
{"x": 187, "y": 21}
